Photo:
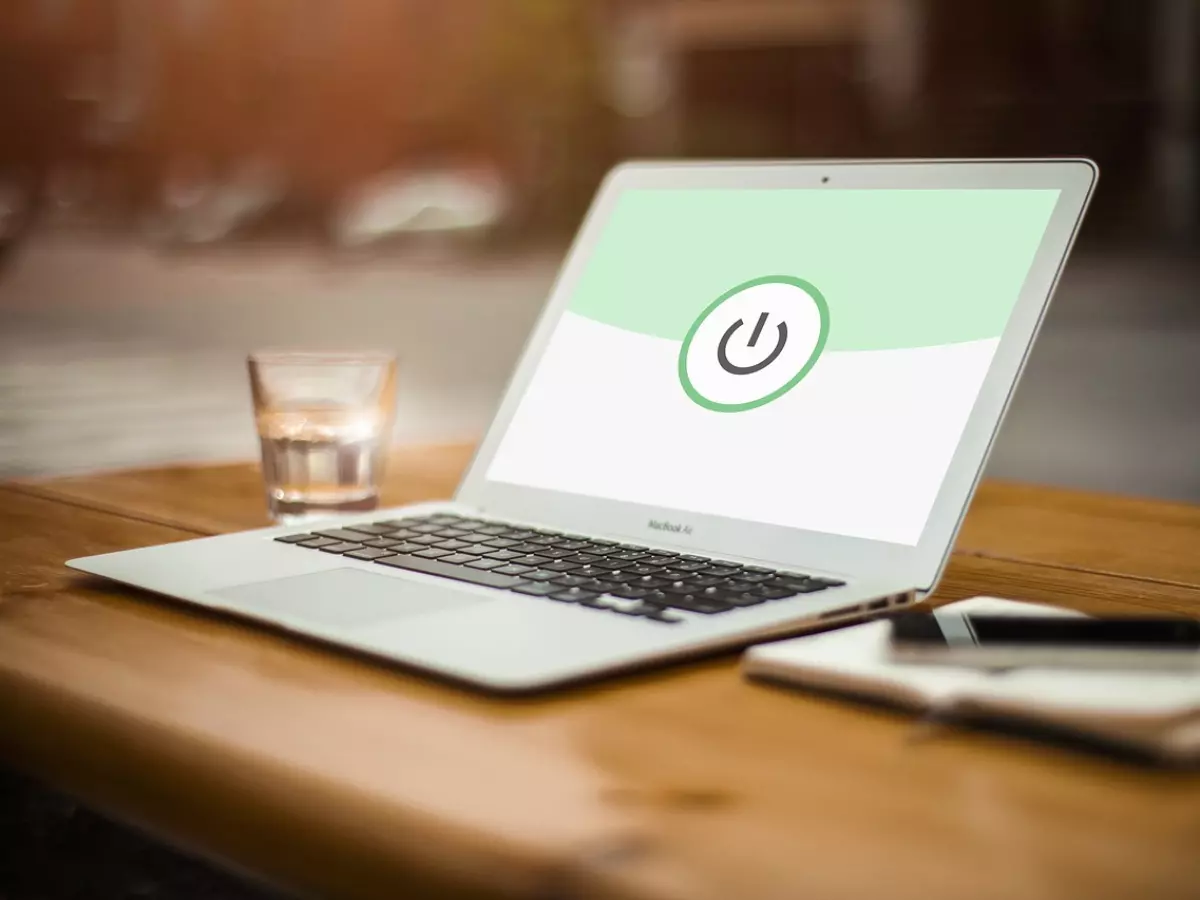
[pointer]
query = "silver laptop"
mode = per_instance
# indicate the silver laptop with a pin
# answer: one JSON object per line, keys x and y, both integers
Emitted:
{"x": 757, "y": 402}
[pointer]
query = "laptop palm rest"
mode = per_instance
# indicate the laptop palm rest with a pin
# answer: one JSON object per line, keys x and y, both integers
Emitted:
{"x": 345, "y": 598}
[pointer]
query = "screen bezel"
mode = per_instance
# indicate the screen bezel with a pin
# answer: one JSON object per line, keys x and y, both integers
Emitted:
{"x": 916, "y": 566}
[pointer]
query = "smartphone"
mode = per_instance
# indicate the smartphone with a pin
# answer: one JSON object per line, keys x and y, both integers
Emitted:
{"x": 1003, "y": 641}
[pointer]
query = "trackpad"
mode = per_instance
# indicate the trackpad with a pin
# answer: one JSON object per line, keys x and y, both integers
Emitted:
{"x": 346, "y": 598}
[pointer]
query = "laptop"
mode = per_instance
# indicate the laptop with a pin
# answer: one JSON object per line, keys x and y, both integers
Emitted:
{"x": 757, "y": 402}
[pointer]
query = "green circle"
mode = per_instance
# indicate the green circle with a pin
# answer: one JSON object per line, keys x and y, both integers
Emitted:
{"x": 822, "y": 310}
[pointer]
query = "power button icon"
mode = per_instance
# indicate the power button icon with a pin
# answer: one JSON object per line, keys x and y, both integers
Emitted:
{"x": 723, "y": 347}
{"x": 754, "y": 343}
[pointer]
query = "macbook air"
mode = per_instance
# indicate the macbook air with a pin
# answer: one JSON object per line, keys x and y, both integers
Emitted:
{"x": 757, "y": 401}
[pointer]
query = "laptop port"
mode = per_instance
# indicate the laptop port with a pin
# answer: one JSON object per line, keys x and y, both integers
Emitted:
{"x": 837, "y": 613}
{"x": 877, "y": 604}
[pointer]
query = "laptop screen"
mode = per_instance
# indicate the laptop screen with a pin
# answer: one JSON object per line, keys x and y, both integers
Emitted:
{"x": 801, "y": 358}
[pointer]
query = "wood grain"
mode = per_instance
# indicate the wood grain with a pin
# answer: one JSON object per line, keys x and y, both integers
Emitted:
{"x": 1092, "y": 532}
{"x": 213, "y": 499}
{"x": 332, "y": 775}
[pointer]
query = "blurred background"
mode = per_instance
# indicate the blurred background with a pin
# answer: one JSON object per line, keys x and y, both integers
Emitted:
{"x": 184, "y": 180}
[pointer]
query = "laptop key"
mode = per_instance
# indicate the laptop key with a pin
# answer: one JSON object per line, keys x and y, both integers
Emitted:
{"x": 698, "y": 604}
{"x": 342, "y": 534}
{"x": 739, "y": 587}
{"x": 402, "y": 534}
{"x": 567, "y": 580}
{"x": 485, "y": 563}
{"x": 541, "y": 575}
{"x": 630, "y": 592}
{"x": 536, "y": 588}
{"x": 425, "y": 528}
{"x": 719, "y": 571}
{"x": 574, "y": 595}
{"x": 657, "y": 560}
{"x": 741, "y": 598}
{"x": 519, "y": 534}
{"x": 341, "y": 547}
{"x": 376, "y": 528}
{"x": 317, "y": 543}
{"x": 433, "y": 553}
{"x": 796, "y": 587}
{"x": 794, "y": 576}
{"x": 826, "y": 582}
{"x": 505, "y": 555}
{"x": 368, "y": 553}
{"x": 773, "y": 593}
{"x": 294, "y": 538}
{"x": 407, "y": 547}
{"x": 673, "y": 575}
{"x": 559, "y": 565}
{"x": 594, "y": 548}
{"x": 628, "y": 555}
{"x": 452, "y": 532}
{"x": 526, "y": 547}
{"x": 458, "y": 573}
{"x": 589, "y": 571}
{"x": 491, "y": 529}
{"x": 649, "y": 581}
{"x": 511, "y": 569}
{"x": 473, "y": 538}
{"x": 453, "y": 544}
{"x": 680, "y": 587}
{"x": 500, "y": 543}
{"x": 378, "y": 542}
{"x": 531, "y": 560}
{"x": 458, "y": 559}
{"x": 600, "y": 587}
{"x": 426, "y": 540}
{"x": 749, "y": 576}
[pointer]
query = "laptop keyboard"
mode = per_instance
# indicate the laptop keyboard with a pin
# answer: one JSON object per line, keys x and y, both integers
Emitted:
{"x": 624, "y": 578}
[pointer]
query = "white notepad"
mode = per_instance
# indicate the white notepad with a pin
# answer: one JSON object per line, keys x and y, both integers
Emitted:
{"x": 1155, "y": 713}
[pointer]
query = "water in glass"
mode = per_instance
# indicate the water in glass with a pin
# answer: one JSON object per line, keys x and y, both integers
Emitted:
{"x": 321, "y": 460}
{"x": 324, "y": 422}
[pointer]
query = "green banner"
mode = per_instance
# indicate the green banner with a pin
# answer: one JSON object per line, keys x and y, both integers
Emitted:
{"x": 898, "y": 268}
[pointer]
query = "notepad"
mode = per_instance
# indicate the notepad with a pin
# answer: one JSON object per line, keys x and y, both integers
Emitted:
{"x": 1155, "y": 714}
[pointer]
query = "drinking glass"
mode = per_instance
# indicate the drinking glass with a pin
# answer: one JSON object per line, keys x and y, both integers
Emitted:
{"x": 324, "y": 421}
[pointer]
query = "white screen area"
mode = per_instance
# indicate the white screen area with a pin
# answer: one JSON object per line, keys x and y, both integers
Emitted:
{"x": 800, "y": 358}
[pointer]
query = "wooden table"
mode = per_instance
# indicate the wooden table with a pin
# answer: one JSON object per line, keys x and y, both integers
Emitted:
{"x": 322, "y": 772}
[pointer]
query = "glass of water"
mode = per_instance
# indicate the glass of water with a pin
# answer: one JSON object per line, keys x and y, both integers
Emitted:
{"x": 324, "y": 421}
